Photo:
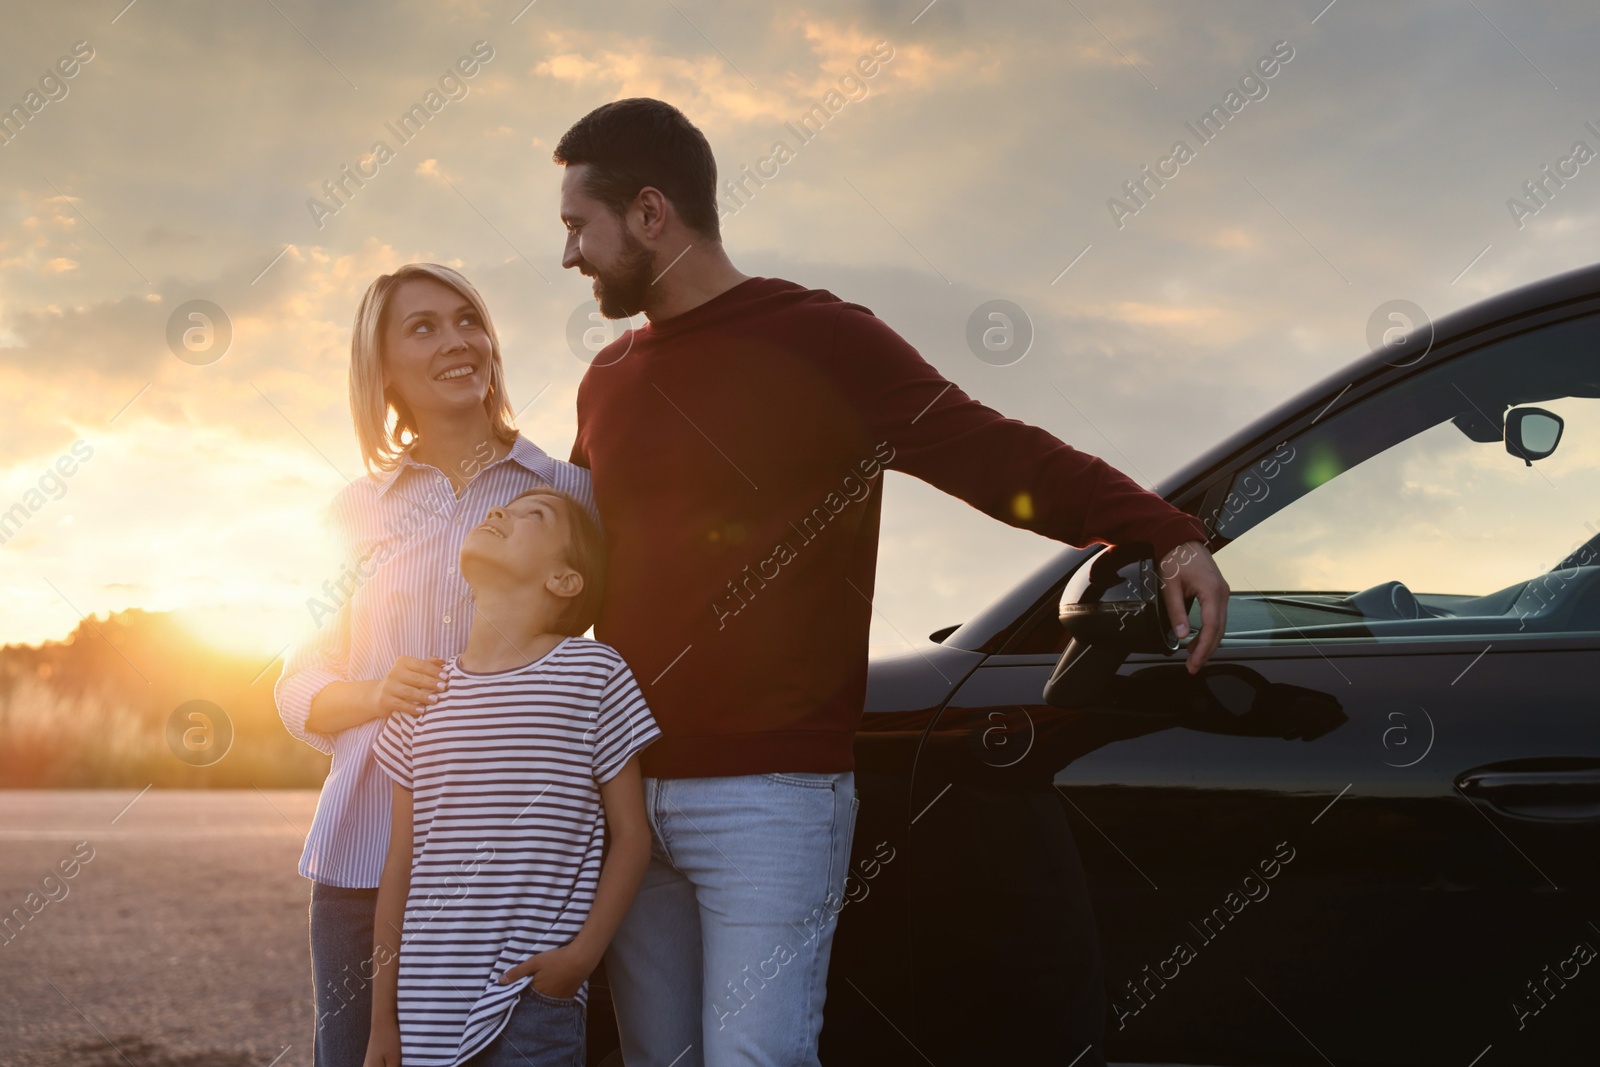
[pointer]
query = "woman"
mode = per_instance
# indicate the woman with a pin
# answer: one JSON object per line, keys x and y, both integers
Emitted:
{"x": 428, "y": 396}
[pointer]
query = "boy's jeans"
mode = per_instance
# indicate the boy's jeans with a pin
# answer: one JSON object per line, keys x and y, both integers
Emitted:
{"x": 723, "y": 958}
{"x": 542, "y": 1032}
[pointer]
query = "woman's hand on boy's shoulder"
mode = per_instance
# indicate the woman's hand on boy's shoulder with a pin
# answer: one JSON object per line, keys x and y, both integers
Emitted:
{"x": 411, "y": 686}
{"x": 557, "y": 972}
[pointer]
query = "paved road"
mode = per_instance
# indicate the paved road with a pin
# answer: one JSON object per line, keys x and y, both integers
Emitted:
{"x": 180, "y": 942}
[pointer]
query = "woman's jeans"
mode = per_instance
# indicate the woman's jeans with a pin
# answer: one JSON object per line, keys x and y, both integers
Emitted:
{"x": 341, "y": 972}
{"x": 723, "y": 957}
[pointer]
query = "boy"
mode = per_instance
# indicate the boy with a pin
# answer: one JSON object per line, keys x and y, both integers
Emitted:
{"x": 494, "y": 870}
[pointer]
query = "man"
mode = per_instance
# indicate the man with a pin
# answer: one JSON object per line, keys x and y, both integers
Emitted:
{"x": 734, "y": 442}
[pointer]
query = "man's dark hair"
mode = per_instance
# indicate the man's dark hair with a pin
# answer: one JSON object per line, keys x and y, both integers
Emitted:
{"x": 586, "y": 554}
{"x": 629, "y": 144}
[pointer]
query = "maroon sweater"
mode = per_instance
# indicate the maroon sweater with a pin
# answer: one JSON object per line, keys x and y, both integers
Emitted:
{"x": 736, "y": 450}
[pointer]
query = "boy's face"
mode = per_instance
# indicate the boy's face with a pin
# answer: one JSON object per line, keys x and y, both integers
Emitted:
{"x": 525, "y": 540}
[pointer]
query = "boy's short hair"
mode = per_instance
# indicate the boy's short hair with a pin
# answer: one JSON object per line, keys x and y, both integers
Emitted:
{"x": 586, "y": 554}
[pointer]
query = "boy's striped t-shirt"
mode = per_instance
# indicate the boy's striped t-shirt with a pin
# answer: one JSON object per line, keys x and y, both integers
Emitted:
{"x": 508, "y": 832}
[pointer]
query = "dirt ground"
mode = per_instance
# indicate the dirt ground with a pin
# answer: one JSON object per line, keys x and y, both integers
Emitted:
{"x": 181, "y": 941}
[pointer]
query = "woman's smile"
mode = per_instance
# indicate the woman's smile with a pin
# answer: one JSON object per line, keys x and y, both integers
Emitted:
{"x": 456, "y": 372}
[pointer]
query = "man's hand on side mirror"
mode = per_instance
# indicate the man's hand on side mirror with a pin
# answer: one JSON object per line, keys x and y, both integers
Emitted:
{"x": 1189, "y": 571}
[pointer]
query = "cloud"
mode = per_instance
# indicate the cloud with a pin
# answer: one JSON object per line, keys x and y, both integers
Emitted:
{"x": 104, "y": 336}
{"x": 718, "y": 97}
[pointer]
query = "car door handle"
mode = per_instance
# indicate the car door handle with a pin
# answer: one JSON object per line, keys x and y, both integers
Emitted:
{"x": 1557, "y": 787}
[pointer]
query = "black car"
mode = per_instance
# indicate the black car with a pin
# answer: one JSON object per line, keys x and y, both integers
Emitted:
{"x": 1367, "y": 833}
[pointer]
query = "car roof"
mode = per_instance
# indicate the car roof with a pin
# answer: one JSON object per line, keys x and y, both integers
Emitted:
{"x": 1573, "y": 286}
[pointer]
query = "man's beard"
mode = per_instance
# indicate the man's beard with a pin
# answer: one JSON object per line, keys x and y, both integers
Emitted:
{"x": 621, "y": 291}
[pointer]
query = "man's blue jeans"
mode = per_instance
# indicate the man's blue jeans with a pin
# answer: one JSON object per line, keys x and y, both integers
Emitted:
{"x": 723, "y": 958}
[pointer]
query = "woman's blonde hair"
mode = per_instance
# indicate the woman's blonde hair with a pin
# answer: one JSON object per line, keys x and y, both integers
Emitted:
{"x": 371, "y": 404}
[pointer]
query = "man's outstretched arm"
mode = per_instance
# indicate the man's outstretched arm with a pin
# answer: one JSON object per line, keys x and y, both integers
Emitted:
{"x": 1021, "y": 474}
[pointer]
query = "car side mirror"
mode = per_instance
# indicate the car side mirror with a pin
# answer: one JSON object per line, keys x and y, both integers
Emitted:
{"x": 1532, "y": 433}
{"x": 1115, "y": 599}
{"x": 1110, "y": 607}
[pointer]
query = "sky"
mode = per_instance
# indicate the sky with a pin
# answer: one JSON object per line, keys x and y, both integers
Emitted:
{"x": 185, "y": 157}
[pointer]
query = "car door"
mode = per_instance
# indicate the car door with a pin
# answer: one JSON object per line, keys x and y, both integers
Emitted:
{"x": 1372, "y": 833}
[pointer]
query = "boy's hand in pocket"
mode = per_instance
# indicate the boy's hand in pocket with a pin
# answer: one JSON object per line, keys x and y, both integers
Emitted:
{"x": 558, "y": 972}
{"x": 383, "y": 1045}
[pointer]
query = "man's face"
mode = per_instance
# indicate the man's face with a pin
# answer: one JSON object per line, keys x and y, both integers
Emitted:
{"x": 601, "y": 247}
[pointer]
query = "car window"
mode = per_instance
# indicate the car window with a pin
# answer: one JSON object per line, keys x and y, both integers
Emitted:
{"x": 1404, "y": 517}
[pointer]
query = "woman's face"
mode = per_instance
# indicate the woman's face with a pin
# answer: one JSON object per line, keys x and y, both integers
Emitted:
{"x": 436, "y": 351}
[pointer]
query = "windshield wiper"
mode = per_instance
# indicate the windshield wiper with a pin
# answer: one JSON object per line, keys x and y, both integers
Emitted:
{"x": 1319, "y": 605}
